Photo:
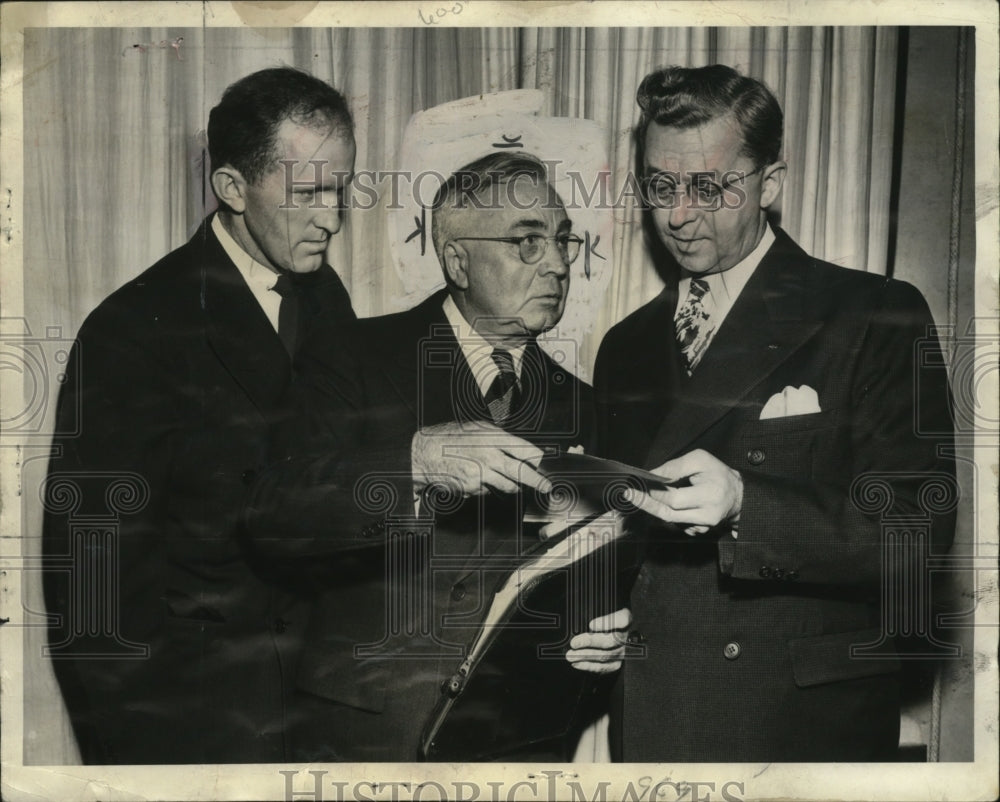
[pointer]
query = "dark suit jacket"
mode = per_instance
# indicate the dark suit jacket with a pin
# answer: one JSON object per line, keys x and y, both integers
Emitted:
{"x": 749, "y": 638}
{"x": 175, "y": 378}
{"x": 341, "y": 489}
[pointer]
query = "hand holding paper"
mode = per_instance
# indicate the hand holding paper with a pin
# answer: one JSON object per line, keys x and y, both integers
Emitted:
{"x": 715, "y": 494}
{"x": 473, "y": 462}
{"x": 602, "y": 648}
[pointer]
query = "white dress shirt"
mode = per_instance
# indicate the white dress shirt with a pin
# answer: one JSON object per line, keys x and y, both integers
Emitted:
{"x": 726, "y": 286}
{"x": 477, "y": 351}
{"x": 259, "y": 278}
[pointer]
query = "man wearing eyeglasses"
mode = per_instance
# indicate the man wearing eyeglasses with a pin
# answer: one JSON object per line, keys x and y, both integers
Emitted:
{"x": 439, "y": 416}
{"x": 772, "y": 389}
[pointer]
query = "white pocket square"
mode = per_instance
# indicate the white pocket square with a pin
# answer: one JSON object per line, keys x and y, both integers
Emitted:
{"x": 791, "y": 401}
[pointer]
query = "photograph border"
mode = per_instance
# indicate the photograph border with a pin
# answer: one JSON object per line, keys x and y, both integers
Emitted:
{"x": 814, "y": 781}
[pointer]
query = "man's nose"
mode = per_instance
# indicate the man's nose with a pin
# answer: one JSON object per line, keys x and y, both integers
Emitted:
{"x": 329, "y": 219}
{"x": 552, "y": 261}
{"x": 684, "y": 211}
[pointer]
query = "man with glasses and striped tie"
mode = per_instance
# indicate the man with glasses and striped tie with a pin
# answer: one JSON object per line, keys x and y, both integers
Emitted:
{"x": 438, "y": 415}
{"x": 770, "y": 387}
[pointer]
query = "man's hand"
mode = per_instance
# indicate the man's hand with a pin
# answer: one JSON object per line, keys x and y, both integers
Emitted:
{"x": 602, "y": 648}
{"x": 714, "y": 496}
{"x": 474, "y": 461}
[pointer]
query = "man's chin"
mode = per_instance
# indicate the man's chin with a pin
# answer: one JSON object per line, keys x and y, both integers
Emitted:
{"x": 309, "y": 265}
{"x": 697, "y": 267}
{"x": 542, "y": 325}
{"x": 547, "y": 312}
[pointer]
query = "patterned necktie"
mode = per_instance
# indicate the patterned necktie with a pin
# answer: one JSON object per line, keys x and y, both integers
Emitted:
{"x": 501, "y": 398}
{"x": 694, "y": 323}
{"x": 288, "y": 313}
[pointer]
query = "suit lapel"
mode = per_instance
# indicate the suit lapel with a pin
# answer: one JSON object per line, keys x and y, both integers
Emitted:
{"x": 426, "y": 367}
{"x": 667, "y": 349}
{"x": 536, "y": 386}
{"x": 432, "y": 377}
{"x": 238, "y": 330}
{"x": 769, "y": 322}
{"x": 547, "y": 392}
{"x": 323, "y": 297}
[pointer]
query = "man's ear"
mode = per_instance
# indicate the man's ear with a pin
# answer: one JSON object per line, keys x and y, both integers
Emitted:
{"x": 456, "y": 264}
{"x": 773, "y": 178}
{"x": 230, "y": 188}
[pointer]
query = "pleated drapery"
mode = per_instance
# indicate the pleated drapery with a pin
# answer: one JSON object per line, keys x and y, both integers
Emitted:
{"x": 115, "y": 145}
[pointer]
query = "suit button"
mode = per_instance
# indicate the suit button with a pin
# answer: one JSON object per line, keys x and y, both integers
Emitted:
{"x": 764, "y": 572}
{"x": 457, "y": 592}
{"x": 248, "y": 476}
{"x": 755, "y": 456}
{"x": 635, "y": 638}
{"x": 792, "y": 576}
{"x": 779, "y": 573}
{"x": 280, "y": 625}
{"x": 731, "y": 651}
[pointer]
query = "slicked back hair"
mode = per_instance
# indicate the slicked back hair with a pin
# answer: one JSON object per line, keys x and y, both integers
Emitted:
{"x": 243, "y": 128}
{"x": 686, "y": 97}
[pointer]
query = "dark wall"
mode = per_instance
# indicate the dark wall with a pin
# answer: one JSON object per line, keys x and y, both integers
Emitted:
{"x": 925, "y": 254}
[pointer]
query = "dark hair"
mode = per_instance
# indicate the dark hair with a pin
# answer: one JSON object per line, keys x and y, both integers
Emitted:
{"x": 477, "y": 179}
{"x": 685, "y": 97}
{"x": 243, "y": 127}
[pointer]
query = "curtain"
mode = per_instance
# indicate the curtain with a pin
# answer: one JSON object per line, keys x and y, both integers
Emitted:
{"x": 115, "y": 156}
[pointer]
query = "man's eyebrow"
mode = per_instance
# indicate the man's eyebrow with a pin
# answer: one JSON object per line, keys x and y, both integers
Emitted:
{"x": 529, "y": 222}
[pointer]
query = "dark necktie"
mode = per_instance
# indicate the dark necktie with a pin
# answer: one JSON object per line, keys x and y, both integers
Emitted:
{"x": 501, "y": 398}
{"x": 288, "y": 312}
{"x": 694, "y": 324}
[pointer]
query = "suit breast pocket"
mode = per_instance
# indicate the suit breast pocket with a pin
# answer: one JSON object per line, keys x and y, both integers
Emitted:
{"x": 796, "y": 446}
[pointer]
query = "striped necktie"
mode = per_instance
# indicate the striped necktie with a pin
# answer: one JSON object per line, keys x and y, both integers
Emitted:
{"x": 501, "y": 398}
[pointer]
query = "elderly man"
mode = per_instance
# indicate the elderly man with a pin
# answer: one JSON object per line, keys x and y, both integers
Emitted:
{"x": 173, "y": 645}
{"x": 768, "y": 386}
{"x": 418, "y": 433}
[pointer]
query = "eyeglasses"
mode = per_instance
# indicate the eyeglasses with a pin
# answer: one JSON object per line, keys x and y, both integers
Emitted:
{"x": 531, "y": 247}
{"x": 662, "y": 190}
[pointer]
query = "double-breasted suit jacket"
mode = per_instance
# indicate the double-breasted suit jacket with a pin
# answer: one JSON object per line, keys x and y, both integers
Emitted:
{"x": 749, "y": 634}
{"x": 402, "y": 590}
{"x": 175, "y": 379}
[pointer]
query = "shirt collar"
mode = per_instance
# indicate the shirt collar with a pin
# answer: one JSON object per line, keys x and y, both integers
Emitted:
{"x": 476, "y": 349}
{"x": 727, "y": 285}
{"x": 256, "y": 274}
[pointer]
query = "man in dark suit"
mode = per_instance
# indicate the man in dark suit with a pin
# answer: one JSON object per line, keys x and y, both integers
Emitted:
{"x": 784, "y": 397}
{"x": 401, "y": 478}
{"x": 172, "y": 645}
